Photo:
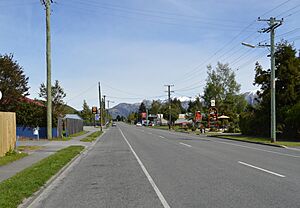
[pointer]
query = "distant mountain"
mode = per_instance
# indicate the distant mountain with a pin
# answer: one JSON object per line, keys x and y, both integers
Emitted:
{"x": 251, "y": 96}
{"x": 123, "y": 109}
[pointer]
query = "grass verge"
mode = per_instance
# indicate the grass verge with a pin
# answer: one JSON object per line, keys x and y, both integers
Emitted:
{"x": 70, "y": 136}
{"x": 259, "y": 140}
{"x": 92, "y": 137}
{"x": 22, "y": 185}
{"x": 11, "y": 157}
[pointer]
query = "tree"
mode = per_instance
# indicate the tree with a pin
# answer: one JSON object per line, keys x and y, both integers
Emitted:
{"x": 222, "y": 87}
{"x": 142, "y": 108}
{"x": 13, "y": 83}
{"x": 220, "y": 84}
{"x": 287, "y": 93}
{"x": 132, "y": 117}
{"x": 195, "y": 106}
{"x": 155, "y": 107}
{"x": 177, "y": 103}
{"x": 86, "y": 113}
{"x": 58, "y": 95}
{"x": 175, "y": 111}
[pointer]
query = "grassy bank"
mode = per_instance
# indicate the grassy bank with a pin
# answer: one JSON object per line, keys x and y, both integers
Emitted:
{"x": 11, "y": 157}
{"x": 259, "y": 140}
{"x": 25, "y": 183}
{"x": 92, "y": 137}
{"x": 70, "y": 136}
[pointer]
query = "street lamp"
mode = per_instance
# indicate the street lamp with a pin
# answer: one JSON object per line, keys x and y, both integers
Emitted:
{"x": 248, "y": 45}
{"x": 272, "y": 85}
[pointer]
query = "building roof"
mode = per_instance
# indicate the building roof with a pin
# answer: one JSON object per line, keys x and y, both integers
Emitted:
{"x": 181, "y": 121}
{"x": 72, "y": 116}
{"x": 28, "y": 100}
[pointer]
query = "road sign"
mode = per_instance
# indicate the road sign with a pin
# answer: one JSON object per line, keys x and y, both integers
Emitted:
{"x": 212, "y": 103}
{"x": 97, "y": 117}
{"x": 94, "y": 110}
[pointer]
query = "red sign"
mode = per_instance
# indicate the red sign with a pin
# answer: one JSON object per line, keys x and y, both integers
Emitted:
{"x": 198, "y": 116}
{"x": 144, "y": 115}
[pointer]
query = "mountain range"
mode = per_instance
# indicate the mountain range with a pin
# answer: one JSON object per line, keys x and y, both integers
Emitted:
{"x": 124, "y": 109}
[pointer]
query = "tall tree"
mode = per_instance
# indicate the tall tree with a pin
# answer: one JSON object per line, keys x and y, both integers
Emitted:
{"x": 220, "y": 84}
{"x": 287, "y": 90}
{"x": 222, "y": 87}
{"x": 155, "y": 107}
{"x": 195, "y": 106}
{"x": 58, "y": 95}
{"x": 86, "y": 112}
{"x": 13, "y": 83}
{"x": 175, "y": 111}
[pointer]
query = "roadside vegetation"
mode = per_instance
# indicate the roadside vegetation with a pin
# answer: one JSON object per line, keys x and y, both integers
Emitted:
{"x": 258, "y": 140}
{"x": 70, "y": 136}
{"x": 22, "y": 185}
{"x": 92, "y": 137}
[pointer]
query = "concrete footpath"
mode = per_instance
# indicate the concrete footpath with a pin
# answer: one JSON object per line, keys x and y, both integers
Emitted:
{"x": 47, "y": 148}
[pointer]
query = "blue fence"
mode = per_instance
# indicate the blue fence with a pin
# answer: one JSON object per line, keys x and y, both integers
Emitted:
{"x": 28, "y": 132}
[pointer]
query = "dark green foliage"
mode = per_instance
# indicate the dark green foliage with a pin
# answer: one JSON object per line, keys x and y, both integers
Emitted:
{"x": 31, "y": 115}
{"x": 155, "y": 107}
{"x": 292, "y": 122}
{"x": 195, "y": 106}
{"x": 257, "y": 121}
{"x": 13, "y": 83}
{"x": 58, "y": 94}
{"x": 86, "y": 113}
{"x": 222, "y": 87}
{"x": 142, "y": 108}
{"x": 175, "y": 111}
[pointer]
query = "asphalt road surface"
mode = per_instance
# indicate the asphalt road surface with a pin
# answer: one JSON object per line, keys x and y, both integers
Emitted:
{"x": 141, "y": 167}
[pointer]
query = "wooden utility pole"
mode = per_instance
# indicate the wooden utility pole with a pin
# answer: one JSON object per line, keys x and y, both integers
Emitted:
{"x": 47, "y": 4}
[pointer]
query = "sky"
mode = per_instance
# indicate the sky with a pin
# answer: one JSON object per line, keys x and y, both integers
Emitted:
{"x": 136, "y": 47}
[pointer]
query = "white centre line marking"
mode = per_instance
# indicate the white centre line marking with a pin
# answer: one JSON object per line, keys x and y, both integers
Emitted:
{"x": 258, "y": 168}
{"x": 162, "y": 137}
{"x": 157, "y": 191}
{"x": 150, "y": 133}
{"x": 185, "y": 144}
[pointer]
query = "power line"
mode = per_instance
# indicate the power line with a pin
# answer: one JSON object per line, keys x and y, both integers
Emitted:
{"x": 235, "y": 37}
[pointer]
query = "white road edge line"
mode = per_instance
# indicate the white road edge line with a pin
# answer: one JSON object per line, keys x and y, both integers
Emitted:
{"x": 264, "y": 170}
{"x": 185, "y": 144}
{"x": 157, "y": 191}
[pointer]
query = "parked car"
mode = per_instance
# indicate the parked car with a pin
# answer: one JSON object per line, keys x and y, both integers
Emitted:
{"x": 138, "y": 124}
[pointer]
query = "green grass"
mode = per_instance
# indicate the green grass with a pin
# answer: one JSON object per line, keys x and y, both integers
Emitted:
{"x": 22, "y": 185}
{"x": 92, "y": 137}
{"x": 259, "y": 139}
{"x": 70, "y": 136}
{"x": 160, "y": 127}
{"x": 11, "y": 157}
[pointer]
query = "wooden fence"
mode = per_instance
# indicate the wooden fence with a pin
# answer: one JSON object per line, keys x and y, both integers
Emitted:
{"x": 7, "y": 132}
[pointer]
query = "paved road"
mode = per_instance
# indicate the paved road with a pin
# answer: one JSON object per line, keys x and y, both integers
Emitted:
{"x": 141, "y": 167}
